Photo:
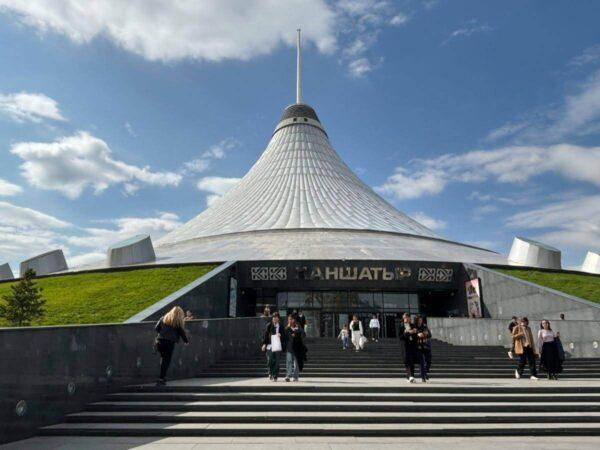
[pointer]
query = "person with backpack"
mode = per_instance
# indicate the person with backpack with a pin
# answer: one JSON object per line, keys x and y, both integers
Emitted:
{"x": 170, "y": 329}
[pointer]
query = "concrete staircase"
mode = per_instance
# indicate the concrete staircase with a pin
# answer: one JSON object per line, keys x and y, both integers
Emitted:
{"x": 358, "y": 403}
{"x": 384, "y": 359}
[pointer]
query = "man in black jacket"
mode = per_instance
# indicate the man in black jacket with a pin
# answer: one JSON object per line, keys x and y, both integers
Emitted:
{"x": 408, "y": 334}
{"x": 274, "y": 343}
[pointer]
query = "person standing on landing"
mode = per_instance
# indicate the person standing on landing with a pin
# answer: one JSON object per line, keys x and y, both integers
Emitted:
{"x": 548, "y": 345}
{"x": 423, "y": 347}
{"x": 273, "y": 344}
{"x": 356, "y": 329}
{"x": 170, "y": 328}
{"x": 525, "y": 348}
{"x": 408, "y": 334}
{"x": 374, "y": 328}
{"x": 295, "y": 350}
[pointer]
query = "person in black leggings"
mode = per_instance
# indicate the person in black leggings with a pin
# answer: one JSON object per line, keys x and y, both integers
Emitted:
{"x": 170, "y": 329}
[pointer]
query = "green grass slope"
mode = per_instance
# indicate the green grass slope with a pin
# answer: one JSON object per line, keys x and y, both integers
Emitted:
{"x": 109, "y": 296}
{"x": 579, "y": 285}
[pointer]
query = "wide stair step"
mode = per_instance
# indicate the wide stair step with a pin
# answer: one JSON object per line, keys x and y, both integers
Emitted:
{"x": 340, "y": 394}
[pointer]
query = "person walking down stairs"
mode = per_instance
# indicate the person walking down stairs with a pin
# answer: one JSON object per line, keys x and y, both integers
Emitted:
{"x": 408, "y": 335}
{"x": 345, "y": 337}
{"x": 170, "y": 328}
{"x": 374, "y": 328}
{"x": 295, "y": 349}
{"x": 357, "y": 333}
{"x": 423, "y": 347}
{"x": 273, "y": 344}
{"x": 524, "y": 348}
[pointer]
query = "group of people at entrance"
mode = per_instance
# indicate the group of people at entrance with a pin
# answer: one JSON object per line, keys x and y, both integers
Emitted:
{"x": 289, "y": 339}
{"x": 551, "y": 351}
{"x": 354, "y": 333}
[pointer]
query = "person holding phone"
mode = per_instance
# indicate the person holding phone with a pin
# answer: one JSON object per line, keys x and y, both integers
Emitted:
{"x": 273, "y": 344}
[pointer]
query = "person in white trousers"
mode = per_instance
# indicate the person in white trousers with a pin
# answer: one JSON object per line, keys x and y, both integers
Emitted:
{"x": 357, "y": 332}
{"x": 374, "y": 328}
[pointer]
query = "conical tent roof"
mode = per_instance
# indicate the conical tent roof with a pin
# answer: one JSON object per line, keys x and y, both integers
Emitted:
{"x": 299, "y": 182}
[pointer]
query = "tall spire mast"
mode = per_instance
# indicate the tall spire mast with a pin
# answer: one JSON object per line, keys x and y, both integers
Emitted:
{"x": 298, "y": 70}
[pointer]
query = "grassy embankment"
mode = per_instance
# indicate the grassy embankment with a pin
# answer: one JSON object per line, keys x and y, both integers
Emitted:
{"x": 579, "y": 285}
{"x": 110, "y": 296}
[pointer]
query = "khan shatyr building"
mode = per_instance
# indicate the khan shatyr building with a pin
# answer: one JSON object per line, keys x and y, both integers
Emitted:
{"x": 305, "y": 232}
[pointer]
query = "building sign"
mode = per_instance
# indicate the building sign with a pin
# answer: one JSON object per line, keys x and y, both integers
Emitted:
{"x": 345, "y": 273}
{"x": 435, "y": 274}
{"x": 268, "y": 273}
{"x": 473, "y": 289}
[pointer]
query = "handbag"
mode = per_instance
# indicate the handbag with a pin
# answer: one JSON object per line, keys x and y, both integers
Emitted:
{"x": 276, "y": 343}
{"x": 362, "y": 341}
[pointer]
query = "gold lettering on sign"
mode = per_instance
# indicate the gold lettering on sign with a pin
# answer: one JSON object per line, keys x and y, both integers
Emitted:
{"x": 365, "y": 274}
{"x": 387, "y": 275}
{"x": 331, "y": 273}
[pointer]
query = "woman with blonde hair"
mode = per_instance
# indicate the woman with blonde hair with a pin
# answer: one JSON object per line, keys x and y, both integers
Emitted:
{"x": 170, "y": 328}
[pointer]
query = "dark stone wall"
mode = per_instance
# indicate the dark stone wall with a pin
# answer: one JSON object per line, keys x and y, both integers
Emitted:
{"x": 48, "y": 372}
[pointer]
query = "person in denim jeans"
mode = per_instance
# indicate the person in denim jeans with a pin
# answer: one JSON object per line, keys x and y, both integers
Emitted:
{"x": 345, "y": 337}
{"x": 294, "y": 348}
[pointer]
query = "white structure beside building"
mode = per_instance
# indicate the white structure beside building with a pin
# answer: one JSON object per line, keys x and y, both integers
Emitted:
{"x": 135, "y": 250}
{"x": 530, "y": 253}
{"x": 46, "y": 263}
{"x": 591, "y": 263}
{"x": 6, "y": 272}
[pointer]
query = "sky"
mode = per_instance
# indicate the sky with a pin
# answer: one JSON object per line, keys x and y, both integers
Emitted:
{"x": 479, "y": 119}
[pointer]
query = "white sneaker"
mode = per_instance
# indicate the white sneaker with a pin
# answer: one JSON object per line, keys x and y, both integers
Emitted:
{"x": 510, "y": 355}
{"x": 411, "y": 379}
{"x": 533, "y": 378}
{"x": 517, "y": 376}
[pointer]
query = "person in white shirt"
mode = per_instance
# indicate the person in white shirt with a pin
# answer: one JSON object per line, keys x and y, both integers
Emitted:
{"x": 374, "y": 328}
{"x": 547, "y": 343}
{"x": 357, "y": 332}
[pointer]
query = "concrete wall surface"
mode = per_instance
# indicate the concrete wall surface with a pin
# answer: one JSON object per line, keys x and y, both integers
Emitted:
{"x": 504, "y": 296}
{"x": 205, "y": 297}
{"x": 48, "y": 372}
{"x": 580, "y": 338}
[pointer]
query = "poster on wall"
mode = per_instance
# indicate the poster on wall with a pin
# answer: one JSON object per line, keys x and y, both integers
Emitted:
{"x": 473, "y": 289}
{"x": 232, "y": 297}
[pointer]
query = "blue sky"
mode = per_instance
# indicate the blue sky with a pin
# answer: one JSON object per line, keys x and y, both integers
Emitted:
{"x": 480, "y": 119}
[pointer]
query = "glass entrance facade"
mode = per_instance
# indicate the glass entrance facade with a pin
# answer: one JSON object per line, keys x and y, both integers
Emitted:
{"x": 327, "y": 311}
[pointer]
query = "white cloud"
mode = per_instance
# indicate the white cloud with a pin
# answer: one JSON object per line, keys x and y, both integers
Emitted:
{"x": 210, "y": 30}
{"x": 216, "y": 187}
{"x": 515, "y": 164}
{"x": 71, "y": 164}
{"x": 28, "y": 106}
{"x": 85, "y": 259}
{"x": 590, "y": 55}
{"x": 569, "y": 223}
{"x": 404, "y": 184}
{"x": 123, "y": 228}
{"x": 217, "y": 151}
{"x": 428, "y": 221}
{"x": 25, "y": 232}
{"x": 359, "y": 67}
{"x": 130, "y": 129}
{"x": 470, "y": 28}
{"x": 18, "y": 216}
{"x": 361, "y": 22}
{"x": 577, "y": 114}
{"x": 8, "y": 189}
